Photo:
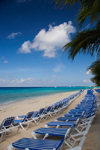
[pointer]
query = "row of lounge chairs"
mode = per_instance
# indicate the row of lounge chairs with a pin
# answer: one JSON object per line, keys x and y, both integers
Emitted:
{"x": 20, "y": 121}
{"x": 69, "y": 130}
{"x": 97, "y": 90}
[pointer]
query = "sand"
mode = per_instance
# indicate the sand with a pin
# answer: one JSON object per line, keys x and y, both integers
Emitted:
{"x": 92, "y": 141}
{"x": 34, "y": 104}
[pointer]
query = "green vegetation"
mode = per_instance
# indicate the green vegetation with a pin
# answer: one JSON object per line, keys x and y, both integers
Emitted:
{"x": 95, "y": 69}
{"x": 87, "y": 40}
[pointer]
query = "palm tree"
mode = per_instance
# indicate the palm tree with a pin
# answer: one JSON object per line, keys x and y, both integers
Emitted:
{"x": 88, "y": 8}
{"x": 86, "y": 41}
{"x": 95, "y": 69}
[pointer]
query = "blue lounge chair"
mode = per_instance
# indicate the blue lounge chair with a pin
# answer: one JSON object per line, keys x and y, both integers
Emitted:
{"x": 24, "y": 120}
{"x": 76, "y": 111}
{"x": 36, "y": 144}
{"x": 43, "y": 113}
{"x": 62, "y": 132}
{"x": 68, "y": 118}
{"x": 97, "y": 90}
{"x": 36, "y": 117}
{"x": 47, "y": 112}
{"x": 61, "y": 124}
{"x": 7, "y": 125}
{"x": 28, "y": 116}
{"x": 58, "y": 132}
{"x": 72, "y": 115}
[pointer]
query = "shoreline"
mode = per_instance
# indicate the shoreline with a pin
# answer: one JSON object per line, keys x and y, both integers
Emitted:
{"x": 23, "y": 106}
{"x": 32, "y": 98}
{"x": 47, "y": 100}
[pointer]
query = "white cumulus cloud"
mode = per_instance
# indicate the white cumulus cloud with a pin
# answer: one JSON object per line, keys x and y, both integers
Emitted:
{"x": 22, "y": 80}
{"x": 88, "y": 72}
{"x": 25, "y": 48}
{"x": 5, "y": 61}
{"x": 17, "y": 82}
{"x": 86, "y": 81}
{"x": 49, "y": 41}
{"x": 59, "y": 68}
{"x": 13, "y": 35}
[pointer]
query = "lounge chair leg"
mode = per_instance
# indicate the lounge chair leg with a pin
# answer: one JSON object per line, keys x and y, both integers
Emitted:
{"x": 17, "y": 129}
{"x": 46, "y": 125}
{"x": 75, "y": 148}
{"x": 69, "y": 145}
{"x": 2, "y": 137}
{"x": 10, "y": 147}
{"x": 46, "y": 135}
{"x": 34, "y": 121}
{"x": 33, "y": 135}
{"x": 28, "y": 125}
{"x": 22, "y": 126}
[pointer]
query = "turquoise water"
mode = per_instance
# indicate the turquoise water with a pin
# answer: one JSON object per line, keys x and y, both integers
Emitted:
{"x": 12, "y": 94}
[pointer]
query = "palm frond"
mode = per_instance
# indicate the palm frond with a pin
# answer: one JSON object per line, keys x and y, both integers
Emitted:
{"x": 95, "y": 69}
{"x": 84, "y": 13}
{"x": 66, "y": 2}
{"x": 86, "y": 42}
{"x": 89, "y": 8}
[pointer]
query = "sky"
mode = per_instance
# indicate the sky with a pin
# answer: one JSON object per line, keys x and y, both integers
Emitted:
{"x": 32, "y": 36}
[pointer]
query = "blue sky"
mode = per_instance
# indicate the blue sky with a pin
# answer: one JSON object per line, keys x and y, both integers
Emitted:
{"x": 32, "y": 34}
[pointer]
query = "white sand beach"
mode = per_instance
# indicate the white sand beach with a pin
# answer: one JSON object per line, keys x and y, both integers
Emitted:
{"x": 92, "y": 141}
{"x": 25, "y": 106}
{"x": 92, "y": 138}
{"x": 33, "y": 104}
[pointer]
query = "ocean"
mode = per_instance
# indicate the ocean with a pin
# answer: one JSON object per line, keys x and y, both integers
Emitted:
{"x": 13, "y": 94}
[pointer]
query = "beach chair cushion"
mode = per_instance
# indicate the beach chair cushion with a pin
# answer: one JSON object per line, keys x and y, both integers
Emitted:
{"x": 73, "y": 115}
{"x": 52, "y": 131}
{"x": 67, "y": 118}
{"x": 37, "y": 144}
{"x": 61, "y": 123}
{"x": 6, "y": 123}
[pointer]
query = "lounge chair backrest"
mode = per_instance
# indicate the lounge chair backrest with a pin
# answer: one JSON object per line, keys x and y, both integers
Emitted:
{"x": 8, "y": 121}
{"x": 41, "y": 111}
{"x": 29, "y": 115}
{"x": 98, "y": 90}
{"x": 1, "y": 125}
{"x": 48, "y": 109}
{"x": 45, "y": 111}
{"x": 89, "y": 91}
{"x": 35, "y": 114}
